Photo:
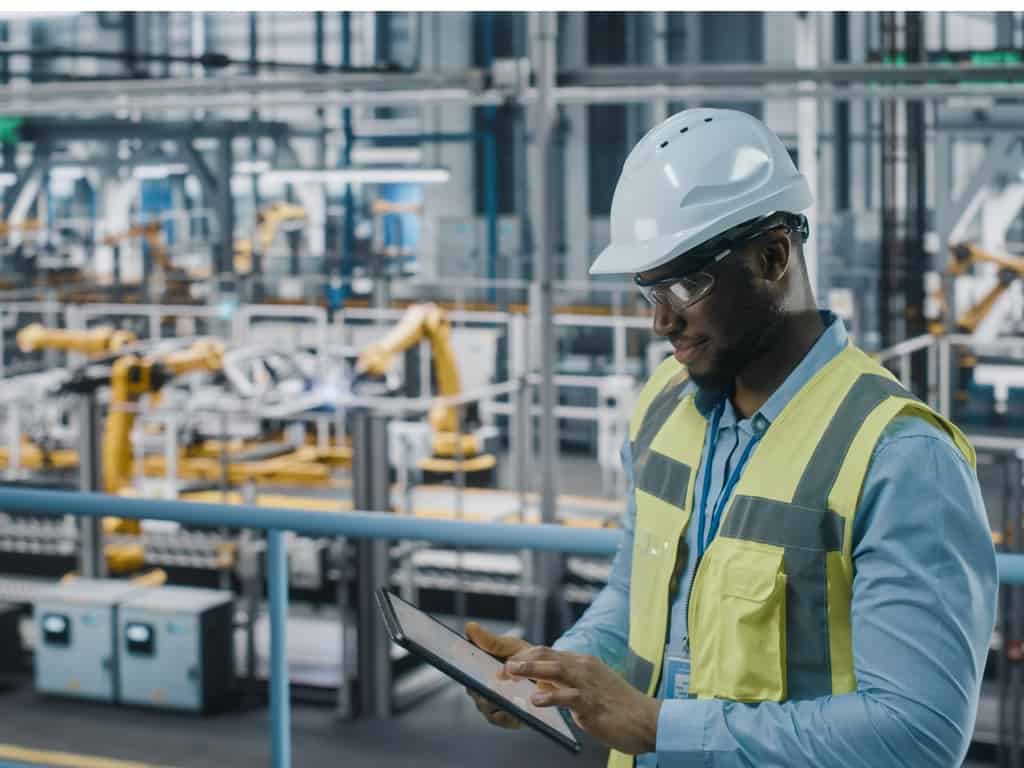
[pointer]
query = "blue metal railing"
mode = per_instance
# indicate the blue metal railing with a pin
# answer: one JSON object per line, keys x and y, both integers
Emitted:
{"x": 367, "y": 525}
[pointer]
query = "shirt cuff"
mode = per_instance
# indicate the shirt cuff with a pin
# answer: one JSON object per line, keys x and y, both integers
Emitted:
{"x": 680, "y": 740}
{"x": 571, "y": 643}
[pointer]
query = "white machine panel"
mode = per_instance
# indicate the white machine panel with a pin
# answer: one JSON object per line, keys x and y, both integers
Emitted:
{"x": 75, "y": 652}
{"x": 175, "y": 648}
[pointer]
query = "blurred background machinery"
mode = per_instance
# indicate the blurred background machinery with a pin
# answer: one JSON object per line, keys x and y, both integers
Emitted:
{"x": 337, "y": 261}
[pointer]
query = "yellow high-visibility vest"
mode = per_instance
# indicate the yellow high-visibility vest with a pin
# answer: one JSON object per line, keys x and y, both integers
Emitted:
{"x": 769, "y": 611}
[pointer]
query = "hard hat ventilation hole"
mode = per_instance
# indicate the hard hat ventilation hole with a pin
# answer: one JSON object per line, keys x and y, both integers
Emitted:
{"x": 684, "y": 129}
{"x": 708, "y": 119}
{"x": 663, "y": 145}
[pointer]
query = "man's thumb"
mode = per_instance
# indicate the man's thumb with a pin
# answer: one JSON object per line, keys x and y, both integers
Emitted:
{"x": 493, "y": 644}
{"x": 479, "y": 636}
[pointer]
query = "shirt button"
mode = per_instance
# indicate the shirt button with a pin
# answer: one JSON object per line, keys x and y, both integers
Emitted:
{"x": 760, "y": 423}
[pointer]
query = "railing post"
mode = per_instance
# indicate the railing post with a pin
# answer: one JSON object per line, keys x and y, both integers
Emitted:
{"x": 371, "y": 493}
{"x": 280, "y": 696}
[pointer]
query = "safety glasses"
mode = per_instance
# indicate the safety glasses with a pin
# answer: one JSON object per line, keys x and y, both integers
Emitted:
{"x": 677, "y": 292}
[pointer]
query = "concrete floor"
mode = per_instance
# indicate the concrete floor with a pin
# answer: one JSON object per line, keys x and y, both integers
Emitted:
{"x": 444, "y": 730}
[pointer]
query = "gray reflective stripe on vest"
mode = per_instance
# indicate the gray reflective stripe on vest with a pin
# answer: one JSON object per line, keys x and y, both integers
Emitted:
{"x": 864, "y": 396}
{"x": 663, "y": 477}
{"x": 808, "y": 530}
{"x": 658, "y": 411}
{"x": 638, "y": 671}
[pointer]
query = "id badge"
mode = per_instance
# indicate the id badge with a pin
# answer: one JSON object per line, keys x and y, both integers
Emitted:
{"x": 677, "y": 675}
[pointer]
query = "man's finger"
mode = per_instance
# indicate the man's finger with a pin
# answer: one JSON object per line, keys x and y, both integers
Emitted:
{"x": 552, "y": 671}
{"x": 560, "y": 697}
{"x": 485, "y": 706}
{"x": 501, "y": 646}
{"x": 505, "y": 720}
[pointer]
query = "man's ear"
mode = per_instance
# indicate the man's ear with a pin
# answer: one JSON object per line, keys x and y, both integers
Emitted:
{"x": 775, "y": 257}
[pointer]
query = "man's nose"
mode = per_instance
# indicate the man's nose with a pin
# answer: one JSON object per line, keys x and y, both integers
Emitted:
{"x": 665, "y": 320}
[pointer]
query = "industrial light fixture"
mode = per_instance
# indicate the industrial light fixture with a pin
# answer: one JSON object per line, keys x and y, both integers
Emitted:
{"x": 67, "y": 172}
{"x": 250, "y": 167}
{"x": 7, "y": 179}
{"x": 387, "y": 155}
{"x": 360, "y": 175}
{"x": 159, "y": 171}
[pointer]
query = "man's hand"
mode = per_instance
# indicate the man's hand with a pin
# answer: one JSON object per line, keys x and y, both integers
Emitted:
{"x": 500, "y": 646}
{"x": 602, "y": 702}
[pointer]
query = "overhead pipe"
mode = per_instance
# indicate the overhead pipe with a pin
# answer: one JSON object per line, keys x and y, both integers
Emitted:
{"x": 704, "y": 78}
{"x": 26, "y": 104}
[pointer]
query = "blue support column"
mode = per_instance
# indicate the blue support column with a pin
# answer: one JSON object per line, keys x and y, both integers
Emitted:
{"x": 280, "y": 701}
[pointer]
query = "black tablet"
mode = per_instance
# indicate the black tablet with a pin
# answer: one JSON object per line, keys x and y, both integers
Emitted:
{"x": 458, "y": 658}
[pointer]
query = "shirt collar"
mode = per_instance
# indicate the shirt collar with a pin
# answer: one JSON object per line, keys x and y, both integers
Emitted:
{"x": 831, "y": 342}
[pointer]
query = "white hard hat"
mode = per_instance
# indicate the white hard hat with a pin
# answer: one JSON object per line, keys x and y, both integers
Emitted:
{"x": 694, "y": 176}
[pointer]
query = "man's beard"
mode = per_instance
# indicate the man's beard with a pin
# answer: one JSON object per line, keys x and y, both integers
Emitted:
{"x": 732, "y": 358}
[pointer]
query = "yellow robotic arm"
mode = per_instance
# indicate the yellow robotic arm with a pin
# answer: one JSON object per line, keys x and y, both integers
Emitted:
{"x": 421, "y": 321}
{"x": 151, "y": 232}
{"x": 430, "y": 322}
{"x": 130, "y": 378}
{"x": 94, "y": 341}
{"x": 1010, "y": 269}
{"x": 28, "y": 225}
{"x": 268, "y": 222}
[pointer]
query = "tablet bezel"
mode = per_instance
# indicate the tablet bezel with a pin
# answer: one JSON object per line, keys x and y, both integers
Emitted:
{"x": 394, "y": 628}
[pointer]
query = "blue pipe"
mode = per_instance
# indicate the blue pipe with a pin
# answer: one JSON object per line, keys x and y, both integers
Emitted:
{"x": 1011, "y": 568}
{"x": 280, "y": 697}
{"x": 552, "y": 538}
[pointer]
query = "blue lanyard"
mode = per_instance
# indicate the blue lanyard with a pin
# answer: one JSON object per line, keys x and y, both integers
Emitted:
{"x": 703, "y": 542}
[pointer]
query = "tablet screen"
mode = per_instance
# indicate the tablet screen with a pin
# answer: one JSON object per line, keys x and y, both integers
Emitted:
{"x": 439, "y": 640}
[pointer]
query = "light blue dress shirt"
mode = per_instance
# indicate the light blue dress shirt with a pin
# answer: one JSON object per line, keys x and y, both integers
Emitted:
{"x": 923, "y": 610}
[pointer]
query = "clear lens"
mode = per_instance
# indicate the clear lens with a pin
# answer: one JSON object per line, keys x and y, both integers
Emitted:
{"x": 680, "y": 293}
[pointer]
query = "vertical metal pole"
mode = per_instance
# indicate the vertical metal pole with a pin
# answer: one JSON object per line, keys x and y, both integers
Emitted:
{"x": 944, "y": 377}
{"x": 460, "y": 493}
{"x": 115, "y": 288}
{"x": 1005, "y": 610}
{"x": 370, "y": 494}
{"x": 933, "y": 374}
{"x": 544, "y": 45}
{"x": 280, "y": 701}
{"x": 91, "y": 563}
{"x": 225, "y": 207}
{"x": 171, "y": 456}
{"x": 544, "y": 33}
{"x": 659, "y": 58}
{"x": 841, "y": 117}
{"x": 13, "y": 439}
{"x": 490, "y": 161}
{"x": 905, "y": 371}
{"x": 807, "y": 135}
{"x": 224, "y": 471}
{"x": 340, "y": 556}
{"x": 349, "y": 239}
{"x": 1016, "y": 622}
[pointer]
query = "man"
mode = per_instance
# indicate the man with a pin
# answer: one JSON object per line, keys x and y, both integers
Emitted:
{"x": 807, "y": 575}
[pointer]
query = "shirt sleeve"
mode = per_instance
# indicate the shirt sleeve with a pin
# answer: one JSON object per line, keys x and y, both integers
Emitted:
{"x": 603, "y": 630}
{"x": 923, "y": 611}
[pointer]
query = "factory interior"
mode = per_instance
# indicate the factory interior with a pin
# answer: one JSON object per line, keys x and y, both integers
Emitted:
{"x": 272, "y": 280}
